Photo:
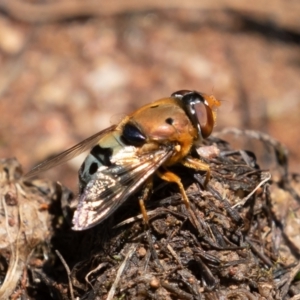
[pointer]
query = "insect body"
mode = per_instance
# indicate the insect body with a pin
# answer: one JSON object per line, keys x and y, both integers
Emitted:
{"x": 124, "y": 157}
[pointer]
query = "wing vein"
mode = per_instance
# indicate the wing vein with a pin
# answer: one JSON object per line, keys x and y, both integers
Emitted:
{"x": 104, "y": 194}
{"x": 68, "y": 154}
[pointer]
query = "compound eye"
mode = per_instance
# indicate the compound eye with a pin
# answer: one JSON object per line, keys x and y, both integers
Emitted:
{"x": 199, "y": 112}
{"x": 181, "y": 93}
{"x": 205, "y": 118}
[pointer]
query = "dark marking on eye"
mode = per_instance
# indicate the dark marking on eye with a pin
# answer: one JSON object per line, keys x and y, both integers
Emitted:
{"x": 154, "y": 106}
{"x": 169, "y": 121}
{"x": 181, "y": 93}
{"x": 93, "y": 168}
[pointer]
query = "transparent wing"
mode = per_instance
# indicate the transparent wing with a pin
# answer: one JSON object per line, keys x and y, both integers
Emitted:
{"x": 114, "y": 184}
{"x": 68, "y": 154}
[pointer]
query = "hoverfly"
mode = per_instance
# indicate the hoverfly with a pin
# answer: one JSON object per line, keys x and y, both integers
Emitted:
{"x": 124, "y": 157}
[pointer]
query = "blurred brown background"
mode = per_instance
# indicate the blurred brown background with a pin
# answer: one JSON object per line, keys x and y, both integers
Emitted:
{"x": 71, "y": 68}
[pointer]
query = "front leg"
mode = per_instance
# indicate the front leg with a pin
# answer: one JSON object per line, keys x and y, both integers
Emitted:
{"x": 197, "y": 164}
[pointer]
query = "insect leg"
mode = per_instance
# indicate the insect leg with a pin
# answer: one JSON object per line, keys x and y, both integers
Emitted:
{"x": 147, "y": 188}
{"x": 171, "y": 177}
{"x": 198, "y": 165}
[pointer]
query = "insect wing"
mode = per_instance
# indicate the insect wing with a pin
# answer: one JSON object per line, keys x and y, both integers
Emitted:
{"x": 114, "y": 184}
{"x": 68, "y": 154}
